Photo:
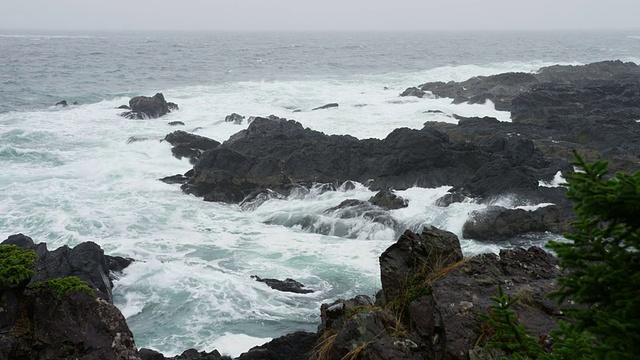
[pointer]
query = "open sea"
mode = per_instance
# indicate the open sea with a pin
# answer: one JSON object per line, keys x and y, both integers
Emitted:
{"x": 69, "y": 175}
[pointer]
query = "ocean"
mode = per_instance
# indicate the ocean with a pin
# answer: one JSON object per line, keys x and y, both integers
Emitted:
{"x": 70, "y": 174}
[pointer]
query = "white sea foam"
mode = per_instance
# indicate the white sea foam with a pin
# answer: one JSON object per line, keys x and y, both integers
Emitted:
{"x": 555, "y": 182}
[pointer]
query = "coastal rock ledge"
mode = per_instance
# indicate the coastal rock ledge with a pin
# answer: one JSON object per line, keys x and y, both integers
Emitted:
{"x": 427, "y": 308}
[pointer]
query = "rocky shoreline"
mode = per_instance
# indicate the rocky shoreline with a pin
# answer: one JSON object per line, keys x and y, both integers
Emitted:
{"x": 431, "y": 295}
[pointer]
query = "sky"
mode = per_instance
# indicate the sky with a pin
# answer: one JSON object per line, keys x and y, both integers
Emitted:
{"x": 319, "y": 15}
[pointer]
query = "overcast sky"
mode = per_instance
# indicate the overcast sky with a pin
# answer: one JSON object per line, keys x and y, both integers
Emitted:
{"x": 258, "y": 15}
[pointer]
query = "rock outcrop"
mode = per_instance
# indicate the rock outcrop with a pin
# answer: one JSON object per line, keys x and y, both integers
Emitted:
{"x": 39, "y": 324}
{"x": 431, "y": 298}
{"x": 287, "y": 285}
{"x": 278, "y": 153}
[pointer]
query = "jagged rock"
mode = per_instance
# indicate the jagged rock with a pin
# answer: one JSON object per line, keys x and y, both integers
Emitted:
{"x": 352, "y": 208}
{"x": 234, "y": 118}
{"x": 327, "y": 106}
{"x": 295, "y": 346}
{"x": 501, "y": 89}
{"x": 193, "y": 354}
{"x": 172, "y": 106}
{"x": 144, "y": 107}
{"x": 413, "y": 91}
{"x": 440, "y": 322}
{"x": 432, "y": 249}
{"x": 175, "y": 179}
{"x": 148, "y": 354}
{"x": 499, "y": 223}
{"x": 287, "y": 285}
{"x": 449, "y": 199}
{"x": 37, "y": 324}
{"x": 62, "y": 103}
{"x": 271, "y": 154}
{"x": 386, "y": 199}
{"x": 189, "y": 145}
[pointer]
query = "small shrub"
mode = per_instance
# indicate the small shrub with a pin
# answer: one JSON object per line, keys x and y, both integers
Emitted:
{"x": 63, "y": 286}
{"x": 16, "y": 264}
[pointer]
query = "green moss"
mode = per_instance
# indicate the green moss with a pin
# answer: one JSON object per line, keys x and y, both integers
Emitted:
{"x": 16, "y": 264}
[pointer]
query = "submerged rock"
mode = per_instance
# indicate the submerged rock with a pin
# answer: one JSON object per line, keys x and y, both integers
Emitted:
{"x": 287, "y": 285}
{"x": 327, "y": 106}
{"x": 234, "y": 118}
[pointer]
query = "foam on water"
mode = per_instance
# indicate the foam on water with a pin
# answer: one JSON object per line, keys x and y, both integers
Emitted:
{"x": 70, "y": 176}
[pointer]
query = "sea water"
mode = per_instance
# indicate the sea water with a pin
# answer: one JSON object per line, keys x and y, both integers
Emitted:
{"x": 69, "y": 174}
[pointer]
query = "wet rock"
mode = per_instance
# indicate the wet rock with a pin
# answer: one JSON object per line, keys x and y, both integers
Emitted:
{"x": 144, "y": 107}
{"x": 175, "y": 179}
{"x": 413, "y": 91}
{"x": 36, "y": 324}
{"x": 189, "y": 145}
{"x": 148, "y": 354}
{"x": 193, "y": 354}
{"x": 432, "y": 249}
{"x": 295, "y": 346}
{"x": 352, "y": 208}
{"x": 326, "y": 106}
{"x": 234, "y": 118}
{"x": 449, "y": 199}
{"x": 134, "y": 139}
{"x": 62, "y": 103}
{"x": 287, "y": 285}
{"x": 498, "y": 223}
{"x": 175, "y": 123}
{"x": 387, "y": 199}
{"x": 124, "y": 107}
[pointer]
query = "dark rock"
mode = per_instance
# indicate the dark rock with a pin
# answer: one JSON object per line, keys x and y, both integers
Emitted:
{"x": 297, "y": 110}
{"x": 288, "y": 285}
{"x": 352, "y": 208}
{"x": 175, "y": 123}
{"x": 175, "y": 179}
{"x": 413, "y": 91}
{"x": 434, "y": 112}
{"x": 36, "y": 324}
{"x": 189, "y": 145}
{"x": 466, "y": 290}
{"x": 498, "y": 223}
{"x": 134, "y": 139}
{"x": 327, "y": 106}
{"x": 148, "y": 354}
{"x": 62, "y": 103}
{"x": 21, "y": 240}
{"x": 295, "y": 346}
{"x": 193, "y": 354}
{"x": 271, "y": 154}
{"x": 116, "y": 264}
{"x": 172, "y": 106}
{"x": 449, "y": 199}
{"x": 234, "y": 118}
{"x": 443, "y": 322}
{"x": 386, "y": 199}
{"x": 144, "y": 107}
{"x": 75, "y": 103}
{"x": 258, "y": 197}
{"x": 433, "y": 249}
{"x": 124, "y": 107}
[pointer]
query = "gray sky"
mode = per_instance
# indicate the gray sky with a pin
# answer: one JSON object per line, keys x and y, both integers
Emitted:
{"x": 319, "y": 14}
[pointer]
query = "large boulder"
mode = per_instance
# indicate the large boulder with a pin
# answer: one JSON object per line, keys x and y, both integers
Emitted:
{"x": 295, "y": 346}
{"x": 40, "y": 323}
{"x": 87, "y": 261}
{"x": 144, "y": 107}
